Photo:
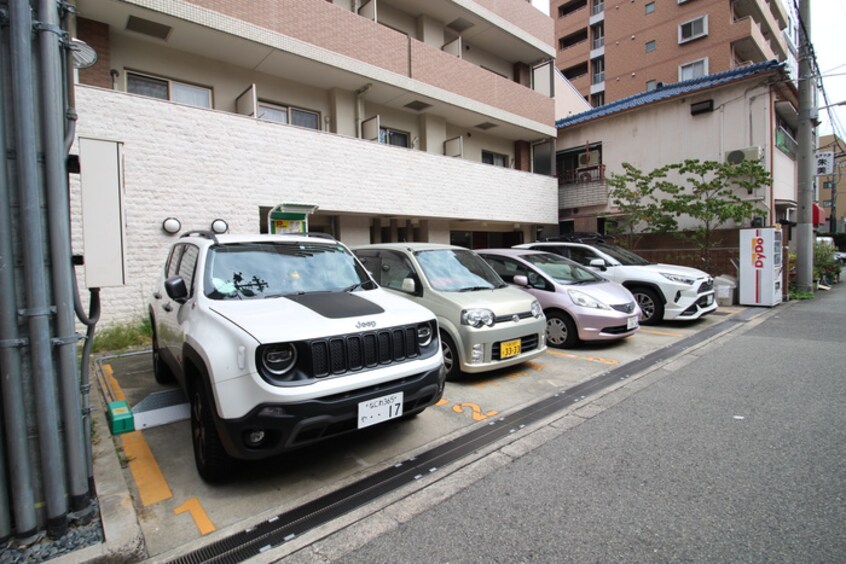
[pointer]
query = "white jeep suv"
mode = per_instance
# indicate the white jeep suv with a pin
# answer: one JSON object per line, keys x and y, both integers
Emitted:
{"x": 663, "y": 291}
{"x": 280, "y": 340}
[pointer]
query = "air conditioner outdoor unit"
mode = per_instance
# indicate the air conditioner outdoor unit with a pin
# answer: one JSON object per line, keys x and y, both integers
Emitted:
{"x": 590, "y": 158}
{"x": 737, "y": 156}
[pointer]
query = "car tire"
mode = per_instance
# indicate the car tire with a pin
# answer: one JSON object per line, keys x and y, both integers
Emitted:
{"x": 451, "y": 359}
{"x": 561, "y": 331}
{"x": 161, "y": 371}
{"x": 650, "y": 305}
{"x": 213, "y": 464}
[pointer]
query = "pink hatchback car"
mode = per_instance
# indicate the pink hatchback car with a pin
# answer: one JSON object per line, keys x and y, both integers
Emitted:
{"x": 579, "y": 304}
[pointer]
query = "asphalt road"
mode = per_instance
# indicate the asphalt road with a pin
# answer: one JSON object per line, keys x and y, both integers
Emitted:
{"x": 734, "y": 452}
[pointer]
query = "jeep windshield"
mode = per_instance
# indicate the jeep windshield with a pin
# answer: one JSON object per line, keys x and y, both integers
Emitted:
{"x": 259, "y": 270}
{"x": 621, "y": 255}
{"x": 458, "y": 270}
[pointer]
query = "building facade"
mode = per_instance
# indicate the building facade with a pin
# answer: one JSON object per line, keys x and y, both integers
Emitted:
{"x": 832, "y": 188}
{"x": 614, "y": 49}
{"x": 398, "y": 120}
{"x": 746, "y": 113}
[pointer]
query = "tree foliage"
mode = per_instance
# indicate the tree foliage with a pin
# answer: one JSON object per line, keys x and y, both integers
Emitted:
{"x": 708, "y": 193}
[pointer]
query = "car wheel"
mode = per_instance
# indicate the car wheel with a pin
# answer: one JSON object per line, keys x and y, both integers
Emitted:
{"x": 561, "y": 330}
{"x": 451, "y": 362}
{"x": 650, "y": 304}
{"x": 213, "y": 464}
{"x": 161, "y": 371}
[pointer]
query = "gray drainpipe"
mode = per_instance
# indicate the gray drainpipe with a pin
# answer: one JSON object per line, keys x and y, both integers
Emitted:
{"x": 58, "y": 206}
{"x": 11, "y": 383}
{"x": 37, "y": 311}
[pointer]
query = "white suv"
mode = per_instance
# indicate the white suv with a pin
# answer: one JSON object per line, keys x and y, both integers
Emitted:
{"x": 663, "y": 291}
{"x": 280, "y": 341}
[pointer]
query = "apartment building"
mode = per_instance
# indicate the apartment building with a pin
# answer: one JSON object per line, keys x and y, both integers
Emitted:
{"x": 394, "y": 120}
{"x": 612, "y": 49}
{"x": 832, "y": 188}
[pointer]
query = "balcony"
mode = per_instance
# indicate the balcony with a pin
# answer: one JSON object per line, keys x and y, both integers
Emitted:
{"x": 770, "y": 17}
{"x": 582, "y": 187}
{"x": 749, "y": 43}
{"x": 320, "y": 45}
{"x": 232, "y": 151}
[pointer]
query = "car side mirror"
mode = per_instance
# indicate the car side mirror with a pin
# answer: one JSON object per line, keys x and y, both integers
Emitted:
{"x": 598, "y": 263}
{"x": 176, "y": 289}
{"x": 409, "y": 286}
{"x": 520, "y": 280}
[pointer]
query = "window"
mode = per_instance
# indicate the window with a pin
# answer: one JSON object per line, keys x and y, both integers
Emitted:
{"x": 598, "y": 32}
{"x": 650, "y": 46}
{"x": 288, "y": 114}
{"x": 598, "y": 70}
{"x": 597, "y": 7}
{"x": 693, "y": 69}
{"x": 651, "y": 85}
{"x": 597, "y": 99}
{"x": 650, "y": 7}
{"x": 495, "y": 159}
{"x": 388, "y": 136}
{"x": 165, "y": 89}
{"x": 693, "y": 29}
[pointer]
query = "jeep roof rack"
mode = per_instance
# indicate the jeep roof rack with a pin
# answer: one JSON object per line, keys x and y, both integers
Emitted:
{"x": 204, "y": 233}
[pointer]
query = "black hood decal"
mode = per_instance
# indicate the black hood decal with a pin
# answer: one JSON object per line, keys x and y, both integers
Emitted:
{"x": 337, "y": 305}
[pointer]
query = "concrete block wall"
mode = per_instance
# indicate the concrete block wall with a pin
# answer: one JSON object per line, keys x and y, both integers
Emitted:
{"x": 199, "y": 165}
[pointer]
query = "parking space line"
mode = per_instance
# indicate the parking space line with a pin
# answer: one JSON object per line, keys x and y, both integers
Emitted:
{"x": 664, "y": 333}
{"x": 599, "y": 359}
{"x": 195, "y": 509}
{"x": 114, "y": 389}
{"x": 151, "y": 483}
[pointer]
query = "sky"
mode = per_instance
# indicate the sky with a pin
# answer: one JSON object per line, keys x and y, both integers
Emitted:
{"x": 828, "y": 25}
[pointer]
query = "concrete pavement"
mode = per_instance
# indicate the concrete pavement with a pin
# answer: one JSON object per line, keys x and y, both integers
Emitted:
{"x": 731, "y": 451}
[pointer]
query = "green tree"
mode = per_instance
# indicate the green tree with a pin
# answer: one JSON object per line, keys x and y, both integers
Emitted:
{"x": 712, "y": 194}
{"x": 637, "y": 197}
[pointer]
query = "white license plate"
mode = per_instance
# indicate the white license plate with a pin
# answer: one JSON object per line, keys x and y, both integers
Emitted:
{"x": 631, "y": 323}
{"x": 380, "y": 409}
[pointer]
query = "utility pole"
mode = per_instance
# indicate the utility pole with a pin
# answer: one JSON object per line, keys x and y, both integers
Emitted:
{"x": 805, "y": 138}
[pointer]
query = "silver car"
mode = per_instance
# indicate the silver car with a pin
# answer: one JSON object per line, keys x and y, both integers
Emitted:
{"x": 484, "y": 323}
{"x": 579, "y": 304}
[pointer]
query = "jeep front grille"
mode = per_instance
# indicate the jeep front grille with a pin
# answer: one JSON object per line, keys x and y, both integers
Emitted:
{"x": 351, "y": 353}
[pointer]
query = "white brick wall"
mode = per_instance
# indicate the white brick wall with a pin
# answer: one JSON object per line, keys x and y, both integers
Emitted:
{"x": 198, "y": 165}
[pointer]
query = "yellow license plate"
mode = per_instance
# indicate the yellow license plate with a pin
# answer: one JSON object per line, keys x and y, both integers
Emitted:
{"x": 509, "y": 348}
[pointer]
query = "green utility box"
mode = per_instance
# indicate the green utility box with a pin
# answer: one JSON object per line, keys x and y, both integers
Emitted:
{"x": 120, "y": 417}
{"x": 289, "y": 218}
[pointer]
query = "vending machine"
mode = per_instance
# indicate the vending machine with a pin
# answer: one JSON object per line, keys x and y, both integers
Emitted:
{"x": 760, "y": 266}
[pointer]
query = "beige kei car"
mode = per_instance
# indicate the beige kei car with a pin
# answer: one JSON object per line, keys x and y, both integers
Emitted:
{"x": 484, "y": 323}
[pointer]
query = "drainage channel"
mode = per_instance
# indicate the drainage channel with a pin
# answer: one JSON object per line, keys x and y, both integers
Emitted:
{"x": 295, "y": 522}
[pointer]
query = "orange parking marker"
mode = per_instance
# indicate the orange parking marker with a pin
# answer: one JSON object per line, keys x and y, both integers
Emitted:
{"x": 664, "y": 333}
{"x": 193, "y": 506}
{"x": 151, "y": 483}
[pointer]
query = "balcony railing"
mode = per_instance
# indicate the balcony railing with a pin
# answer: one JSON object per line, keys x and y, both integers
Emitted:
{"x": 785, "y": 141}
{"x": 598, "y": 77}
{"x": 582, "y": 175}
{"x": 598, "y": 42}
{"x": 597, "y": 8}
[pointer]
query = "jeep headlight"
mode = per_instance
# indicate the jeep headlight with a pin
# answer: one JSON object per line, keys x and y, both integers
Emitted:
{"x": 477, "y": 317}
{"x": 678, "y": 278}
{"x": 425, "y": 332}
{"x": 278, "y": 359}
{"x": 582, "y": 299}
{"x": 537, "y": 310}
